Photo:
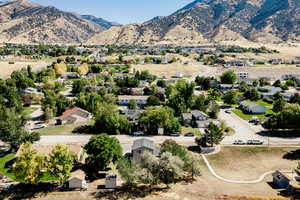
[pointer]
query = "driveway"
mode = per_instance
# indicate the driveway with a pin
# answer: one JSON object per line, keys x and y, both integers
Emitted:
{"x": 246, "y": 131}
{"x": 125, "y": 140}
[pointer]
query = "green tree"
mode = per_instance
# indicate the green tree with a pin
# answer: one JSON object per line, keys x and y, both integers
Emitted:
{"x": 201, "y": 103}
{"x": 230, "y": 97}
{"x": 278, "y": 105}
{"x": 161, "y": 83}
{"x": 252, "y": 94}
{"x": 213, "y": 110}
{"x": 61, "y": 161}
{"x": 159, "y": 117}
{"x": 132, "y": 104}
{"x": 30, "y": 166}
{"x": 108, "y": 120}
{"x": 12, "y": 128}
{"x": 228, "y": 77}
{"x": 102, "y": 150}
{"x": 153, "y": 101}
{"x": 214, "y": 134}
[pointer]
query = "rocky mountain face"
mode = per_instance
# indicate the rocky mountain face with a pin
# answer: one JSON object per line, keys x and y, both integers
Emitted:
{"x": 101, "y": 22}
{"x": 24, "y": 22}
{"x": 215, "y": 20}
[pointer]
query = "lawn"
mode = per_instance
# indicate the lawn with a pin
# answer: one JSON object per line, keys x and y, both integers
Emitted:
{"x": 185, "y": 130}
{"x": 28, "y": 110}
{"x": 261, "y": 102}
{"x": 61, "y": 130}
{"x": 5, "y": 171}
{"x": 245, "y": 116}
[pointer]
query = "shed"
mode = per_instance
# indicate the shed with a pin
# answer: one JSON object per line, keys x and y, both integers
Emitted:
{"x": 77, "y": 180}
{"x": 144, "y": 145}
{"x": 111, "y": 182}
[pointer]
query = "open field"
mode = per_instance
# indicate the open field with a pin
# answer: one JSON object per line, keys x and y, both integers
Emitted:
{"x": 169, "y": 70}
{"x": 7, "y": 69}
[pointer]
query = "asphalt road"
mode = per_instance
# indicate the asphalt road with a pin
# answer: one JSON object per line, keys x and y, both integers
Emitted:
{"x": 246, "y": 131}
{"x": 125, "y": 140}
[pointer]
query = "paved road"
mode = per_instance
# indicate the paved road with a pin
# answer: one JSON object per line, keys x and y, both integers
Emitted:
{"x": 125, "y": 140}
{"x": 246, "y": 131}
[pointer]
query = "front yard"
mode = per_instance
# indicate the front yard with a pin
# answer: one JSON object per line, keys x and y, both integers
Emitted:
{"x": 246, "y": 116}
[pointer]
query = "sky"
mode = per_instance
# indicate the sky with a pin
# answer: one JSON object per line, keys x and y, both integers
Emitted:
{"x": 121, "y": 11}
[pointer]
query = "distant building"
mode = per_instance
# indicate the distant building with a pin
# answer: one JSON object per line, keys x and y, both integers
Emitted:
{"x": 31, "y": 90}
{"x": 74, "y": 116}
{"x": 178, "y": 75}
{"x": 243, "y": 75}
{"x": 144, "y": 145}
{"x": 252, "y": 108}
{"x": 269, "y": 91}
{"x": 123, "y": 100}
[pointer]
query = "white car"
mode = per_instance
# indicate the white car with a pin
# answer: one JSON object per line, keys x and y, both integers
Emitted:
{"x": 239, "y": 142}
{"x": 138, "y": 133}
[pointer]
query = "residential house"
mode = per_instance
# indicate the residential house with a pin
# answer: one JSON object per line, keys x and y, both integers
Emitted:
{"x": 31, "y": 91}
{"x": 269, "y": 91}
{"x": 137, "y": 91}
{"x": 243, "y": 75}
{"x": 132, "y": 115}
{"x": 74, "y": 116}
{"x": 187, "y": 118}
{"x": 226, "y": 87}
{"x": 77, "y": 181}
{"x": 123, "y": 100}
{"x": 280, "y": 179}
{"x": 141, "y": 146}
{"x": 199, "y": 119}
{"x": 252, "y": 108}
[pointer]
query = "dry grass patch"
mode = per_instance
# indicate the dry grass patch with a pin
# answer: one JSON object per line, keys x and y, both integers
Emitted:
{"x": 248, "y": 163}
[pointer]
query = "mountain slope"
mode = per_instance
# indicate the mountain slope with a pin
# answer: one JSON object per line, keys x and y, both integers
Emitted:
{"x": 24, "y": 22}
{"x": 101, "y": 22}
{"x": 216, "y": 20}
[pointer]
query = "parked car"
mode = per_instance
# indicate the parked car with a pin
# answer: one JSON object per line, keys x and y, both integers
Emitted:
{"x": 228, "y": 111}
{"x": 254, "y": 120}
{"x": 239, "y": 142}
{"x": 38, "y": 126}
{"x": 177, "y": 134}
{"x": 189, "y": 135}
{"x": 138, "y": 133}
{"x": 255, "y": 142}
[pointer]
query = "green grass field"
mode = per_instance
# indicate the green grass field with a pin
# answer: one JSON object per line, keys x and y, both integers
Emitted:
{"x": 242, "y": 115}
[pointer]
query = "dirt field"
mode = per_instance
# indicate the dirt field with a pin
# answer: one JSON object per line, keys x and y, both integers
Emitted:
{"x": 7, "y": 69}
{"x": 232, "y": 162}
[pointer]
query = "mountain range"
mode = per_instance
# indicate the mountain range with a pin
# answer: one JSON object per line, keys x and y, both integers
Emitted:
{"x": 199, "y": 22}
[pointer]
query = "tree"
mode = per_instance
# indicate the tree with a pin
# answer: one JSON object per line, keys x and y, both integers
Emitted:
{"x": 30, "y": 166}
{"x": 201, "y": 103}
{"x": 213, "y": 110}
{"x": 277, "y": 83}
{"x": 153, "y": 101}
{"x": 230, "y": 97}
{"x": 228, "y": 77}
{"x": 83, "y": 69}
{"x": 61, "y": 161}
{"x": 278, "y": 105}
{"x": 161, "y": 83}
{"x": 214, "y": 134}
{"x": 159, "y": 117}
{"x": 252, "y": 94}
{"x": 60, "y": 68}
{"x": 132, "y": 104}
{"x": 79, "y": 85}
{"x": 102, "y": 150}
{"x": 12, "y": 128}
{"x": 287, "y": 119}
{"x": 108, "y": 120}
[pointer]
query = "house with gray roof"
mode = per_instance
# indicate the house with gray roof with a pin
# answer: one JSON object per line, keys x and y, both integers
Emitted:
{"x": 143, "y": 145}
{"x": 269, "y": 91}
{"x": 253, "y": 108}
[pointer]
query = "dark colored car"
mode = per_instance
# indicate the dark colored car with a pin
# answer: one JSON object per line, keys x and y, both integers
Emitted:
{"x": 177, "y": 134}
{"x": 189, "y": 135}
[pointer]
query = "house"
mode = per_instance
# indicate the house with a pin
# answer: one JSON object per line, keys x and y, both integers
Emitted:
{"x": 178, "y": 75}
{"x": 31, "y": 90}
{"x": 252, "y": 108}
{"x": 74, "y": 116}
{"x": 77, "y": 180}
{"x": 243, "y": 75}
{"x": 4, "y": 146}
{"x": 111, "y": 182}
{"x": 75, "y": 148}
{"x": 201, "y": 124}
{"x": 137, "y": 91}
{"x": 226, "y": 87}
{"x": 132, "y": 115}
{"x": 123, "y": 100}
{"x": 69, "y": 75}
{"x": 186, "y": 118}
{"x": 199, "y": 115}
{"x": 280, "y": 179}
{"x": 269, "y": 91}
{"x": 144, "y": 145}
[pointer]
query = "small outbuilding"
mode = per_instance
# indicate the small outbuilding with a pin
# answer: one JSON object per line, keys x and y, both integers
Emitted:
{"x": 280, "y": 179}
{"x": 111, "y": 182}
{"x": 77, "y": 180}
{"x": 144, "y": 145}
